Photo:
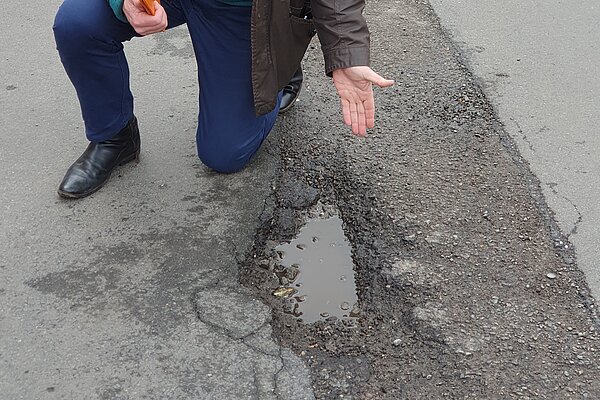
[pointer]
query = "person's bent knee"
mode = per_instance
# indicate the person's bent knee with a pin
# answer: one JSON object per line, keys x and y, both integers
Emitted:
{"x": 72, "y": 27}
{"x": 223, "y": 163}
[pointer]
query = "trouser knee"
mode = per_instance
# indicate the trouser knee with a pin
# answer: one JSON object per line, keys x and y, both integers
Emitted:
{"x": 69, "y": 27}
{"x": 225, "y": 162}
{"x": 78, "y": 27}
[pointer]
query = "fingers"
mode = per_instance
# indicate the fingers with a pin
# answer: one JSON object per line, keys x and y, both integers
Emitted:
{"x": 346, "y": 112}
{"x": 369, "y": 105}
{"x": 159, "y": 10}
{"x": 362, "y": 123}
{"x": 354, "y": 117}
{"x": 143, "y": 23}
{"x": 358, "y": 114}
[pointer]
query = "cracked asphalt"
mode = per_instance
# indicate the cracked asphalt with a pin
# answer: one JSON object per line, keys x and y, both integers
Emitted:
{"x": 539, "y": 65}
{"x": 132, "y": 293}
{"x": 155, "y": 286}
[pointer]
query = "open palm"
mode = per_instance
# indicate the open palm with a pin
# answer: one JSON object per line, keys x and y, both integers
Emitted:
{"x": 355, "y": 88}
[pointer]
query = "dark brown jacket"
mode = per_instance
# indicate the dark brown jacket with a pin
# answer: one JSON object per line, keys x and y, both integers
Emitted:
{"x": 280, "y": 39}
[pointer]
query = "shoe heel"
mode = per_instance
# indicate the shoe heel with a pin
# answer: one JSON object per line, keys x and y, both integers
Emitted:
{"x": 134, "y": 157}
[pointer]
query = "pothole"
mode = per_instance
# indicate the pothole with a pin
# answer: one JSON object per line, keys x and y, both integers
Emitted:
{"x": 316, "y": 272}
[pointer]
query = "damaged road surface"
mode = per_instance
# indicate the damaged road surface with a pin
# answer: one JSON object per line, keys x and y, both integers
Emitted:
{"x": 173, "y": 282}
{"x": 467, "y": 289}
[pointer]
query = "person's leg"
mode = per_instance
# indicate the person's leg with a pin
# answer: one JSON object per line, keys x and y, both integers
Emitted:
{"x": 229, "y": 132}
{"x": 89, "y": 40}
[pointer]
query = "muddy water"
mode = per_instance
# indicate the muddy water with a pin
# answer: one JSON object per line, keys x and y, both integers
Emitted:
{"x": 318, "y": 265}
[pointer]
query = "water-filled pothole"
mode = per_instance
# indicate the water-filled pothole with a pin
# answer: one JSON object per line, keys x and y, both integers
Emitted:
{"x": 316, "y": 272}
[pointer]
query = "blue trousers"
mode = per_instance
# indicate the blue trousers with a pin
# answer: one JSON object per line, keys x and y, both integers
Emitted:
{"x": 90, "y": 38}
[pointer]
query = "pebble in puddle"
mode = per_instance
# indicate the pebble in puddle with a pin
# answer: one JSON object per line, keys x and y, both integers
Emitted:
{"x": 324, "y": 314}
{"x": 345, "y": 306}
{"x": 284, "y": 292}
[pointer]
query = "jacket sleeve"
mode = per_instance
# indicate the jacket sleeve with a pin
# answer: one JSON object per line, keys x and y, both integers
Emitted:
{"x": 343, "y": 33}
{"x": 117, "y": 7}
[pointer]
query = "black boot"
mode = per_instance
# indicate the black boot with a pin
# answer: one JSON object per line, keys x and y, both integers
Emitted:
{"x": 291, "y": 91}
{"x": 91, "y": 171}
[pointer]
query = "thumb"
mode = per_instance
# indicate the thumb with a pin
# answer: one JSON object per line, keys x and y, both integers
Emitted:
{"x": 378, "y": 80}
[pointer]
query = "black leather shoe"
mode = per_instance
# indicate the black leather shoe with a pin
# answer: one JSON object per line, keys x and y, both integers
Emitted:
{"x": 291, "y": 91}
{"x": 91, "y": 171}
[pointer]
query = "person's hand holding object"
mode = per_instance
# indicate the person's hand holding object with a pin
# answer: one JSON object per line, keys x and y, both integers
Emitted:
{"x": 355, "y": 88}
{"x": 144, "y": 23}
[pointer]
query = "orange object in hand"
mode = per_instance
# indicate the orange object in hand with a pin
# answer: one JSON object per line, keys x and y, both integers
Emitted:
{"x": 149, "y": 6}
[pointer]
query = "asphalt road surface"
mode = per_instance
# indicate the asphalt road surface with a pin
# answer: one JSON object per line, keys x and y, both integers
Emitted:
{"x": 156, "y": 287}
{"x": 131, "y": 293}
{"x": 540, "y": 65}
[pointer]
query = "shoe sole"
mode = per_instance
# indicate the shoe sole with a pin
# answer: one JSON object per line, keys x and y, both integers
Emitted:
{"x": 288, "y": 108}
{"x": 70, "y": 196}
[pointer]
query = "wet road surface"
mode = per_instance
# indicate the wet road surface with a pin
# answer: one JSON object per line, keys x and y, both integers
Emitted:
{"x": 156, "y": 286}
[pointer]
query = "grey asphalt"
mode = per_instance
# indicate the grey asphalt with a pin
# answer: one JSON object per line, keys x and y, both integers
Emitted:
{"x": 539, "y": 63}
{"x": 133, "y": 292}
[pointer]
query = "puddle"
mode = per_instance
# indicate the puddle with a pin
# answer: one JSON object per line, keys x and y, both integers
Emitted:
{"x": 316, "y": 272}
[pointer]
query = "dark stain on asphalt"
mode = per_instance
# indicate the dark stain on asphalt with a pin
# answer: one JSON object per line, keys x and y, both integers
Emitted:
{"x": 174, "y": 42}
{"x": 143, "y": 279}
{"x": 83, "y": 287}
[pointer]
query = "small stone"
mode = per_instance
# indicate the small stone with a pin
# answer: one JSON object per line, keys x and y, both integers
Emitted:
{"x": 301, "y": 246}
{"x": 397, "y": 342}
{"x": 288, "y": 308}
{"x": 329, "y": 346}
{"x": 551, "y": 275}
{"x": 355, "y": 312}
{"x": 292, "y": 273}
{"x": 324, "y": 314}
{"x": 284, "y": 292}
{"x": 345, "y": 306}
{"x": 410, "y": 238}
{"x": 278, "y": 268}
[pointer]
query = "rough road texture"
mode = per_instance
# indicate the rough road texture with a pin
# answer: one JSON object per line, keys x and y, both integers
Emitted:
{"x": 132, "y": 293}
{"x": 467, "y": 288}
